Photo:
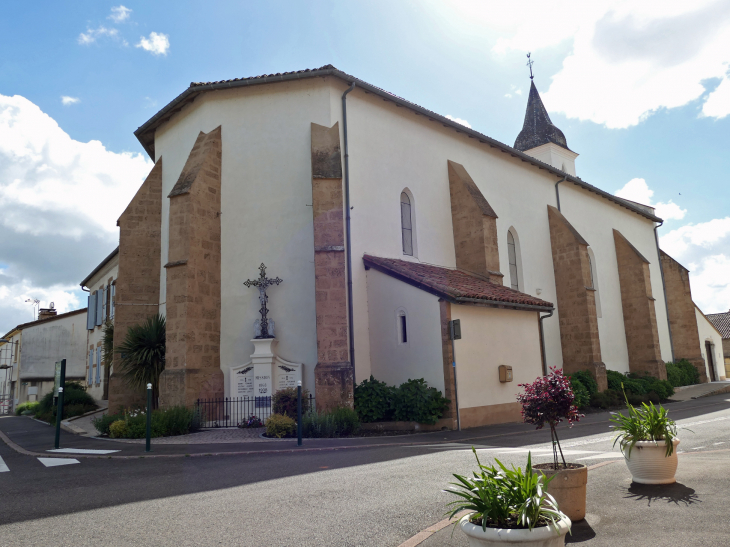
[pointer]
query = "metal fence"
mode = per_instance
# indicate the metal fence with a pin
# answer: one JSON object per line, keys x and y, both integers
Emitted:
{"x": 232, "y": 411}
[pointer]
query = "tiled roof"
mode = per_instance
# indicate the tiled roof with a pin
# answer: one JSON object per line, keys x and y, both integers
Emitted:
{"x": 721, "y": 322}
{"x": 454, "y": 285}
{"x": 146, "y": 132}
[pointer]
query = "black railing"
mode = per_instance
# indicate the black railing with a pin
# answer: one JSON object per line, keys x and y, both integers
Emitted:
{"x": 233, "y": 411}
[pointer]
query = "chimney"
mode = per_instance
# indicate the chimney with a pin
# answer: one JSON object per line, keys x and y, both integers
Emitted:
{"x": 47, "y": 313}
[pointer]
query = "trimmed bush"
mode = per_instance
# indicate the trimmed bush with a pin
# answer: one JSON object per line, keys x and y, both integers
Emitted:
{"x": 414, "y": 401}
{"x": 606, "y": 399}
{"x": 587, "y": 380}
{"x": 374, "y": 401}
{"x": 103, "y": 422}
{"x": 119, "y": 430}
{"x": 75, "y": 402}
{"x": 339, "y": 422}
{"x": 177, "y": 420}
{"x": 682, "y": 373}
{"x": 280, "y": 425}
{"x": 581, "y": 393}
{"x": 27, "y": 408}
{"x": 284, "y": 402}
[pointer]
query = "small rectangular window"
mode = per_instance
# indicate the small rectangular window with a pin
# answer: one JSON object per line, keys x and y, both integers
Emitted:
{"x": 403, "y": 330}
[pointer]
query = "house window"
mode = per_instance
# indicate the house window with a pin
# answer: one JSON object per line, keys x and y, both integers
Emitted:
{"x": 513, "y": 254}
{"x": 98, "y": 366}
{"x": 402, "y": 326}
{"x": 406, "y": 224}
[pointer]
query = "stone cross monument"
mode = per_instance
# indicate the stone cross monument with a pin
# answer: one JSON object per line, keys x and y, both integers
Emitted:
{"x": 262, "y": 330}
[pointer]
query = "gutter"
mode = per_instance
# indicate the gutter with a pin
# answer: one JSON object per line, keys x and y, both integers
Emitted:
{"x": 542, "y": 342}
{"x": 191, "y": 93}
{"x": 557, "y": 192}
{"x": 348, "y": 235}
{"x": 664, "y": 287}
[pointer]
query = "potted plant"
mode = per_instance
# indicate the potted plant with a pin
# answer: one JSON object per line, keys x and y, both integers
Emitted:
{"x": 648, "y": 441}
{"x": 507, "y": 506}
{"x": 548, "y": 401}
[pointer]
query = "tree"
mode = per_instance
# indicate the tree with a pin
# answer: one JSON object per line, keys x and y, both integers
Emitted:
{"x": 142, "y": 355}
{"x": 549, "y": 400}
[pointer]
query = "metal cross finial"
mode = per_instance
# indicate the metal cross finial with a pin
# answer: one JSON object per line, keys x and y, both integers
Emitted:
{"x": 262, "y": 283}
{"x": 530, "y": 62}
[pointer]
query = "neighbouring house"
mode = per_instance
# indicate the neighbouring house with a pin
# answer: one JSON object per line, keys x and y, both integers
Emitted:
{"x": 721, "y": 321}
{"x": 101, "y": 284}
{"x": 33, "y": 349}
{"x": 379, "y": 222}
{"x": 711, "y": 346}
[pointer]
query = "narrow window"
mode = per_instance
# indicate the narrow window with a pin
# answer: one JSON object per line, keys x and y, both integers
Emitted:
{"x": 512, "y": 252}
{"x": 403, "y": 329}
{"x": 406, "y": 225}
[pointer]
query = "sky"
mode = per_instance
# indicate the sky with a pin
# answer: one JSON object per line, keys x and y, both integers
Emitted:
{"x": 640, "y": 89}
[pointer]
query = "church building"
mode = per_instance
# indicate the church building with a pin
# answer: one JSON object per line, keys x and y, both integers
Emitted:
{"x": 363, "y": 225}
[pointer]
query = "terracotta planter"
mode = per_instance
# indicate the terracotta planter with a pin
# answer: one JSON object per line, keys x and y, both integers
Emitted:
{"x": 569, "y": 489}
{"x": 649, "y": 464}
{"x": 545, "y": 536}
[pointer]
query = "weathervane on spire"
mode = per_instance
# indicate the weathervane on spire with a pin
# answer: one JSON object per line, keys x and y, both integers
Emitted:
{"x": 530, "y": 63}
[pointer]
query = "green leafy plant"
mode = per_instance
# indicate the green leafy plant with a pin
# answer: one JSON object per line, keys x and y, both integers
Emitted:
{"x": 102, "y": 423}
{"x": 284, "y": 402}
{"x": 374, "y": 400}
{"x": 682, "y": 373}
{"x": 27, "y": 408}
{"x": 75, "y": 402}
{"x": 648, "y": 423}
{"x": 280, "y": 425}
{"x": 606, "y": 399}
{"x": 142, "y": 355}
{"x": 339, "y": 422}
{"x": 415, "y": 401}
{"x": 119, "y": 429}
{"x": 498, "y": 497}
{"x": 581, "y": 393}
{"x": 587, "y": 379}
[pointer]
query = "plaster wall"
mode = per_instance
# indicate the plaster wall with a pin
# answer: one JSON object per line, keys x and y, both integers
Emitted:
{"x": 95, "y": 337}
{"x": 708, "y": 333}
{"x": 394, "y": 362}
{"x": 489, "y": 338}
{"x": 266, "y": 213}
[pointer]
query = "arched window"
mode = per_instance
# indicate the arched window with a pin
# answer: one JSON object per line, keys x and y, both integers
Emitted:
{"x": 406, "y": 224}
{"x": 513, "y": 254}
{"x": 402, "y": 326}
{"x": 594, "y": 280}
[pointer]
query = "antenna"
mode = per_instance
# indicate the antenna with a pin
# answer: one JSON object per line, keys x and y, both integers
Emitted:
{"x": 530, "y": 62}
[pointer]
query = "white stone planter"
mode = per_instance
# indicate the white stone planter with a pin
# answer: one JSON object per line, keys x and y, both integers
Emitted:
{"x": 648, "y": 463}
{"x": 545, "y": 536}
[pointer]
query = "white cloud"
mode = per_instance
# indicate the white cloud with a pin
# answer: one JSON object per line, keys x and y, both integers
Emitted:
{"x": 66, "y": 100}
{"x": 627, "y": 59}
{"x": 91, "y": 35}
{"x": 717, "y": 104}
{"x": 637, "y": 190}
{"x": 120, "y": 14}
{"x": 59, "y": 202}
{"x": 704, "y": 249}
{"x": 157, "y": 44}
{"x": 458, "y": 120}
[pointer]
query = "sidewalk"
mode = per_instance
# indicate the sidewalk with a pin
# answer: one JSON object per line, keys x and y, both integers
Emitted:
{"x": 685, "y": 393}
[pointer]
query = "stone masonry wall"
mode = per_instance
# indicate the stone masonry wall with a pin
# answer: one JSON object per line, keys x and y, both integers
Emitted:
{"x": 476, "y": 241}
{"x": 192, "y": 370}
{"x": 682, "y": 317}
{"x": 334, "y": 373}
{"x": 642, "y": 336}
{"x": 138, "y": 280}
{"x": 576, "y": 301}
{"x": 448, "y": 360}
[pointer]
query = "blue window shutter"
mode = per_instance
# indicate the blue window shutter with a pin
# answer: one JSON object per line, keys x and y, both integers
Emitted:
{"x": 91, "y": 365}
{"x": 99, "y": 300}
{"x": 98, "y": 365}
{"x": 91, "y": 312}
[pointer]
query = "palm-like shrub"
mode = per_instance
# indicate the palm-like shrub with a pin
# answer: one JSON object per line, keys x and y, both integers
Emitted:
{"x": 549, "y": 400}
{"x": 142, "y": 355}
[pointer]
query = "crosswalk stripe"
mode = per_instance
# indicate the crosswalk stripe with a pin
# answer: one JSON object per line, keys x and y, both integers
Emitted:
{"x": 3, "y": 466}
{"x": 53, "y": 462}
{"x": 81, "y": 451}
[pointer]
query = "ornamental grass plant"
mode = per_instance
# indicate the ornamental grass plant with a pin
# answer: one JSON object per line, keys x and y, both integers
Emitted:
{"x": 498, "y": 497}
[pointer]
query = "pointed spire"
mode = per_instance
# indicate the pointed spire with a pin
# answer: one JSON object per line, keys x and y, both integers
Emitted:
{"x": 538, "y": 129}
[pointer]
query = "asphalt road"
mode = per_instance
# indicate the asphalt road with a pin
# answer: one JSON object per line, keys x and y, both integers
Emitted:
{"x": 367, "y": 495}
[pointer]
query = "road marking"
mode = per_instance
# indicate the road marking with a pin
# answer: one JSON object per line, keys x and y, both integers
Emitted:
{"x": 605, "y": 455}
{"x": 3, "y": 466}
{"x": 53, "y": 462}
{"x": 82, "y": 451}
{"x": 719, "y": 443}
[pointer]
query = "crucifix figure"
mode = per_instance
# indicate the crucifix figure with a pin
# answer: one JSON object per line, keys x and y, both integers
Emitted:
{"x": 262, "y": 283}
{"x": 530, "y": 62}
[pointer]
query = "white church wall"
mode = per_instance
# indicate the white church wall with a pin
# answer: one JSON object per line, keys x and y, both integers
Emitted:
{"x": 490, "y": 338}
{"x": 393, "y": 361}
{"x": 266, "y": 208}
{"x": 708, "y": 333}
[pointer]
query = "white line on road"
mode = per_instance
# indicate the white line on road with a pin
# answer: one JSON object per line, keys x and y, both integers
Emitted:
{"x": 605, "y": 455}
{"x": 53, "y": 462}
{"x": 81, "y": 451}
{"x": 697, "y": 447}
{"x": 3, "y": 466}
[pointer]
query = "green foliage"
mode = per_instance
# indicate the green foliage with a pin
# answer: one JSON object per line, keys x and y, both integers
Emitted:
{"x": 280, "y": 425}
{"x": 75, "y": 402}
{"x": 682, "y": 373}
{"x": 505, "y": 498}
{"x": 648, "y": 423}
{"x": 284, "y": 402}
{"x": 142, "y": 355}
{"x": 614, "y": 379}
{"x": 588, "y": 381}
{"x": 580, "y": 392}
{"x": 339, "y": 422}
{"x": 415, "y": 401}
{"x": 103, "y": 422}
{"x": 119, "y": 429}
{"x": 640, "y": 389}
{"x": 605, "y": 399}
{"x": 374, "y": 401}
{"x": 29, "y": 407}
{"x": 177, "y": 420}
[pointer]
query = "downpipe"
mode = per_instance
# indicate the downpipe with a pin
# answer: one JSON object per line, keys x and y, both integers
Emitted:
{"x": 348, "y": 237}
{"x": 542, "y": 341}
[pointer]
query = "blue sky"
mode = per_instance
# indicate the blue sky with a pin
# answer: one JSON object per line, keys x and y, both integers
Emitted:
{"x": 636, "y": 102}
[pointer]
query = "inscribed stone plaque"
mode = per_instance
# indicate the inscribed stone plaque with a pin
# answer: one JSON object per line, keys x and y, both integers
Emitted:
{"x": 287, "y": 375}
